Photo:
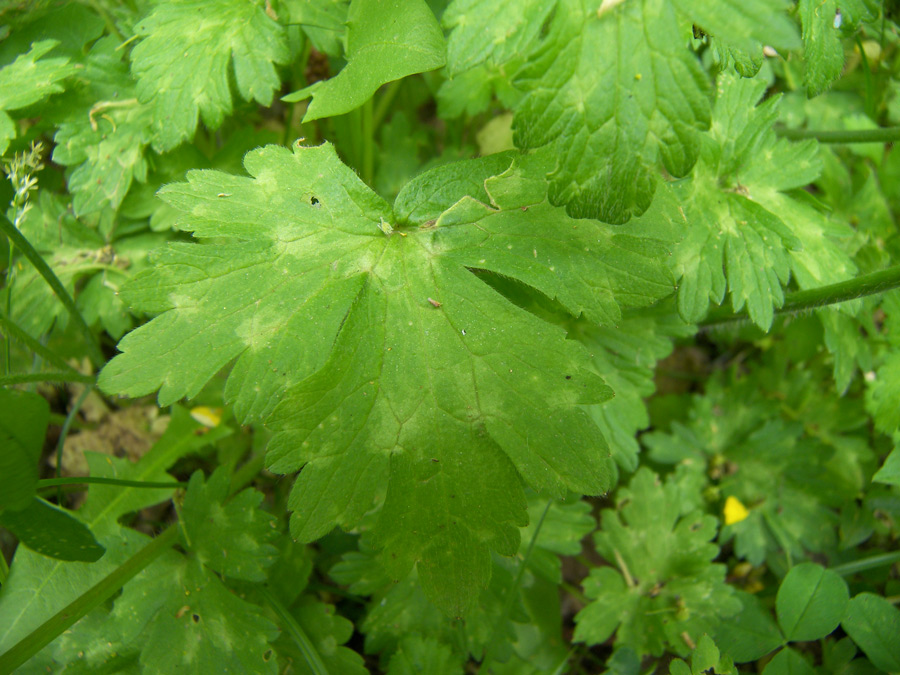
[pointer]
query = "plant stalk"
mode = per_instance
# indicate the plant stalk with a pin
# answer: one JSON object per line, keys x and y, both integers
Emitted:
{"x": 66, "y": 376}
{"x": 39, "y": 638}
{"x": 870, "y": 563}
{"x": 513, "y": 591}
{"x": 16, "y": 238}
{"x": 368, "y": 141}
{"x": 880, "y": 135}
{"x": 313, "y": 659}
{"x": 92, "y": 480}
{"x": 63, "y": 434}
{"x": 12, "y": 330}
{"x": 799, "y": 301}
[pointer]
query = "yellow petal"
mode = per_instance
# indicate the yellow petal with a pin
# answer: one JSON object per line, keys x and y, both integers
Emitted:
{"x": 734, "y": 511}
{"x": 208, "y": 417}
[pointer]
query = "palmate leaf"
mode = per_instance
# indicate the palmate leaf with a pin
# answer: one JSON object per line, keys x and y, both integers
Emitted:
{"x": 104, "y": 132}
{"x": 210, "y": 523}
{"x": 184, "y": 62}
{"x": 612, "y": 89}
{"x": 744, "y": 232}
{"x": 666, "y": 584}
{"x": 384, "y": 365}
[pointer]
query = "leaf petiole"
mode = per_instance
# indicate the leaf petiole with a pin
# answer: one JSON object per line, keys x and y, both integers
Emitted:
{"x": 799, "y": 301}
{"x": 880, "y": 135}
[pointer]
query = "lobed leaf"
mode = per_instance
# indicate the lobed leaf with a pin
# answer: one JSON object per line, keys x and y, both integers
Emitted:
{"x": 383, "y": 364}
{"x": 185, "y": 59}
{"x": 611, "y": 89}
{"x": 233, "y": 538}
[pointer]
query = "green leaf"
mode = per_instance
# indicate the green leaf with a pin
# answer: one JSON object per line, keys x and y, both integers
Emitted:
{"x": 104, "y": 133}
{"x": 386, "y": 41}
{"x": 491, "y": 31}
{"x": 705, "y": 656}
{"x": 666, "y": 584}
{"x": 328, "y": 632}
{"x": 745, "y": 25}
{"x": 890, "y": 471}
{"x": 874, "y": 624}
{"x": 610, "y": 91}
{"x": 429, "y": 194}
{"x": 323, "y": 21}
{"x": 51, "y": 531}
{"x": 883, "y": 394}
{"x": 23, "y": 425}
{"x": 27, "y": 80}
{"x": 349, "y": 320}
{"x": 626, "y": 356}
{"x": 183, "y": 65}
{"x": 750, "y": 634}
{"x": 38, "y": 587}
{"x": 811, "y": 602}
{"x": 822, "y": 49}
{"x": 788, "y": 662}
{"x": 201, "y": 626}
{"x": 420, "y": 656}
{"x": 741, "y": 229}
{"x": 210, "y": 524}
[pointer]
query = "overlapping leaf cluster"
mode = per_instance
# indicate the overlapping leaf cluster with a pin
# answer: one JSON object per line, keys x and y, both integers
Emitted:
{"x": 575, "y": 185}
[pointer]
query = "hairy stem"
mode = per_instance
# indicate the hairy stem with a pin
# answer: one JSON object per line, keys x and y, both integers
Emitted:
{"x": 880, "y": 135}
{"x": 852, "y": 289}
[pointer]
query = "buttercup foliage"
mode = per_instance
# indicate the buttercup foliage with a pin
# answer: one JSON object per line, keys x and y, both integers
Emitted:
{"x": 444, "y": 336}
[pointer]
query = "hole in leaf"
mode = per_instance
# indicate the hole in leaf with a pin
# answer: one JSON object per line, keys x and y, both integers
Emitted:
{"x": 196, "y": 618}
{"x": 314, "y": 201}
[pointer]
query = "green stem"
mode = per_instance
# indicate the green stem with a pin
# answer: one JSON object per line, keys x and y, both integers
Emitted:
{"x": 14, "y": 331}
{"x": 64, "y": 432}
{"x": 852, "y": 289}
{"x": 512, "y": 593}
{"x": 865, "y": 564}
{"x": 867, "y": 70}
{"x": 39, "y": 638}
{"x": 245, "y": 475}
{"x": 7, "y": 282}
{"x": 384, "y": 103}
{"x": 17, "y": 239}
{"x": 24, "y": 378}
{"x": 4, "y": 569}
{"x": 107, "y": 19}
{"x": 880, "y": 135}
{"x": 368, "y": 141}
{"x": 313, "y": 659}
{"x": 96, "y": 480}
